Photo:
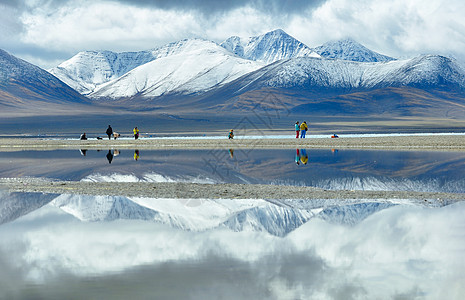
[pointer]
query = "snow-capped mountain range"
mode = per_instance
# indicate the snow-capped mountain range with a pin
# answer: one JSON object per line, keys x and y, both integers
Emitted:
{"x": 235, "y": 74}
{"x": 197, "y": 66}
{"x": 192, "y": 66}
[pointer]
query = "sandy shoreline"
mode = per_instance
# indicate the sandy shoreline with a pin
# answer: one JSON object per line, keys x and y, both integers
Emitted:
{"x": 414, "y": 142}
{"x": 214, "y": 191}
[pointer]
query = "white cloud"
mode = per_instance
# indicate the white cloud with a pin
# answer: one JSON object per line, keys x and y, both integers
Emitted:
{"x": 397, "y": 28}
{"x": 106, "y": 25}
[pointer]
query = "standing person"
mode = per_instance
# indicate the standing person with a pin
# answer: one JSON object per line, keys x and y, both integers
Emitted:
{"x": 303, "y": 129}
{"x": 231, "y": 134}
{"x": 297, "y": 129}
{"x": 136, "y": 133}
{"x": 109, "y": 132}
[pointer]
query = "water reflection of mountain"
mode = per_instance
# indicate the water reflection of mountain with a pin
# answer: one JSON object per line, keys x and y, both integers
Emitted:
{"x": 16, "y": 205}
{"x": 276, "y": 218}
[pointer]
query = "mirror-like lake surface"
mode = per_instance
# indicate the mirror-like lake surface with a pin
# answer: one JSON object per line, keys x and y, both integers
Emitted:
{"x": 107, "y": 247}
{"x": 330, "y": 169}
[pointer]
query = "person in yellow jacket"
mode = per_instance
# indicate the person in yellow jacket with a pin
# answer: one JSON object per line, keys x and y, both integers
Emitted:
{"x": 136, "y": 133}
{"x": 303, "y": 129}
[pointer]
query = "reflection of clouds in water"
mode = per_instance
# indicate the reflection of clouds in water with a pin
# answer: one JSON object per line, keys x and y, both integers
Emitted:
{"x": 406, "y": 251}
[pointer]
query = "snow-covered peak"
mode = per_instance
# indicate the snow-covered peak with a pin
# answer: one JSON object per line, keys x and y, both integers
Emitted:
{"x": 186, "y": 67}
{"x": 234, "y": 45}
{"x": 89, "y": 69}
{"x": 348, "y": 49}
{"x": 269, "y": 47}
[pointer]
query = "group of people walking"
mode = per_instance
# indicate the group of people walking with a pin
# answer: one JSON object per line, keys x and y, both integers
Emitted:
{"x": 110, "y": 133}
{"x": 300, "y": 129}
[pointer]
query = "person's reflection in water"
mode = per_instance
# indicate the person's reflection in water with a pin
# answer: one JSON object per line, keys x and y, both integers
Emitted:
{"x": 136, "y": 154}
{"x": 303, "y": 156}
{"x": 297, "y": 157}
{"x": 231, "y": 153}
{"x": 83, "y": 152}
{"x": 109, "y": 156}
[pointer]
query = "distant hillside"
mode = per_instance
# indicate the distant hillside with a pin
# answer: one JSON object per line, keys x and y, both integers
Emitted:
{"x": 23, "y": 85}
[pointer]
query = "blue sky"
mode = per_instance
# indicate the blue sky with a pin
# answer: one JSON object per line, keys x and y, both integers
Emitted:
{"x": 47, "y": 32}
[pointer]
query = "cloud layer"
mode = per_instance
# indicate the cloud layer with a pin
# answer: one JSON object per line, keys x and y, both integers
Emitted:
{"x": 47, "y": 31}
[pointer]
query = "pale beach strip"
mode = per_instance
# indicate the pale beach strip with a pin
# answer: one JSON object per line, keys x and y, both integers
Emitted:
{"x": 180, "y": 190}
{"x": 434, "y": 142}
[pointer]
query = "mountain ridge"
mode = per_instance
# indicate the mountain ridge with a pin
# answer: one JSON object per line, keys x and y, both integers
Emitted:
{"x": 24, "y": 85}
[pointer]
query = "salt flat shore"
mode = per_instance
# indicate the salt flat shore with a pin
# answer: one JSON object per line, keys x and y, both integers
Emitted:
{"x": 177, "y": 190}
{"x": 413, "y": 142}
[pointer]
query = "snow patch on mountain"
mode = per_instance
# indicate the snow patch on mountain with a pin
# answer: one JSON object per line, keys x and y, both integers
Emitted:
{"x": 348, "y": 49}
{"x": 269, "y": 47}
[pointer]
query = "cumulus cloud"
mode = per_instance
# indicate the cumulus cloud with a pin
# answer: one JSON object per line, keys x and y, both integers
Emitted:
{"x": 398, "y": 252}
{"x": 395, "y": 28}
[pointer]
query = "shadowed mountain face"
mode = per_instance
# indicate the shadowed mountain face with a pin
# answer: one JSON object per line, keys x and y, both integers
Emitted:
{"x": 23, "y": 85}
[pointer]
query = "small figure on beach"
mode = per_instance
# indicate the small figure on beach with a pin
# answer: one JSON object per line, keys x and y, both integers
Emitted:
{"x": 334, "y": 136}
{"x": 297, "y": 129}
{"x": 116, "y": 135}
{"x": 136, "y": 133}
{"x": 83, "y": 137}
{"x": 231, "y": 134}
{"x": 109, "y": 132}
{"x": 303, "y": 129}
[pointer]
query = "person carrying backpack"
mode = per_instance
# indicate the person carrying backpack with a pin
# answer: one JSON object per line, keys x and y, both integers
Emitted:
{"x": 303, "y": 129}
{"x": 136, "y": 133}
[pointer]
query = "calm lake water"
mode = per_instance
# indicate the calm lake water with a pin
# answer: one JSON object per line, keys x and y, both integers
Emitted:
{"x": 102, "y": 247}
